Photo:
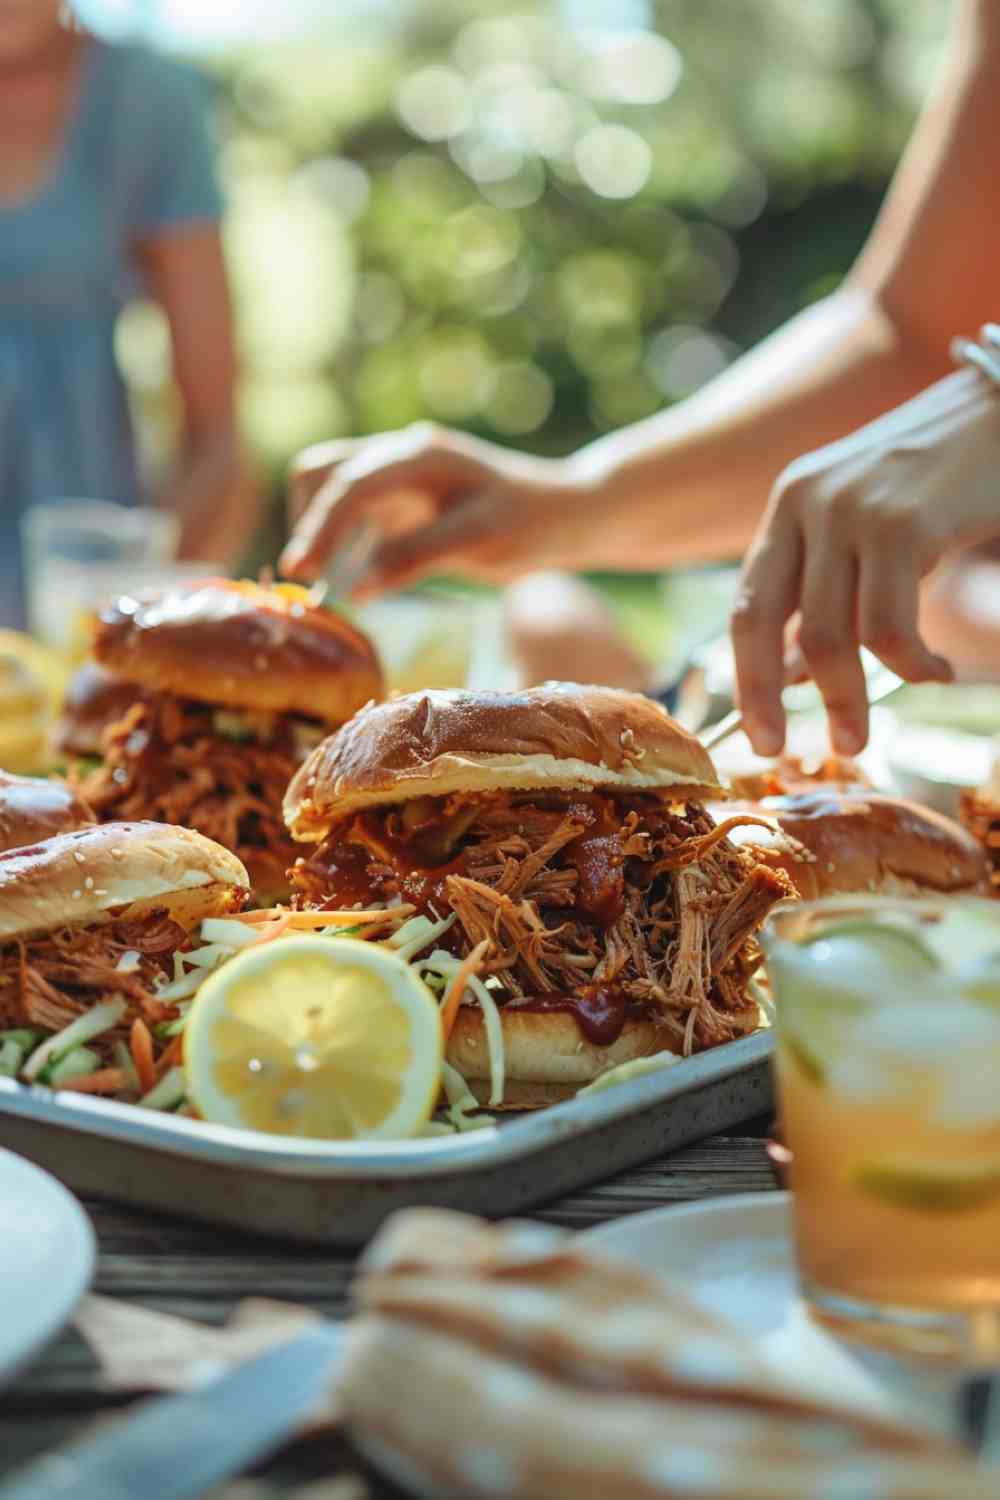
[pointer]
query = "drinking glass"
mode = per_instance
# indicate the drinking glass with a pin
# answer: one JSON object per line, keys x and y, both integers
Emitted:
{"x": 888, "y": 1064}
{"x": 80, "y": 553}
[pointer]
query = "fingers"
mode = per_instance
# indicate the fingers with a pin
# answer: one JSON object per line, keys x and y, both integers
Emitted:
{"x": 439, "y": 547}
{"x": 386, "y": 478}
{"x": 768, "y": 595}
{"x": 888, "y": 607}
{"x": 311, "y": 469}
{"x": 828, "y": 639}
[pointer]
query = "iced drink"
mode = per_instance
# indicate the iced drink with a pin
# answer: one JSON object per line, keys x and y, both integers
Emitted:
{"x": 888, "y": 1022}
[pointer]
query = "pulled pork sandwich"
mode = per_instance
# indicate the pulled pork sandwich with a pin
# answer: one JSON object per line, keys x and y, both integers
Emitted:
{"x": 831, "y": 841}
{"x": 34, "y": 808}
{"x": 89, "y": 926}
{"x": 596, "y": 912}
{"x": 238, "y": 682}
{"x": 94, "y": 700}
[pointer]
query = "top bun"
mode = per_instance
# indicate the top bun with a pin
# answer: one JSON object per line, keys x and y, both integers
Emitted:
{"x": 241, "y": 645}
{"x": 32, "y": 808}
{"x": 858, "y": 841}
{"x": 95, "y": 698}
{"x": 559, "y": 735}
{"x": 79, "y": 879}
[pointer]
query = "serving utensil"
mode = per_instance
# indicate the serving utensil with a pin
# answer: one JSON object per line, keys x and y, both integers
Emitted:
{"x": 800, "y": 697}
{"x": 177, "y": 1447}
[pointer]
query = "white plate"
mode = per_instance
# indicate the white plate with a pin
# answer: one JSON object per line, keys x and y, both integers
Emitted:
{"x": 47, "y": 1257}
{"x": 734, "y": 1256}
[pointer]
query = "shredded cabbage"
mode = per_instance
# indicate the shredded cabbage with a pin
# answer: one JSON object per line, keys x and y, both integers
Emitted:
{"x": 92, "y": 1023}
{"x": 225, "y": 930}
{"x": 123, "y": 1060}
{"x": 417, "y": 933}
{"x": 168, "y": 1093}
{"x": 444, "y": 963}
{"x": 183, "y": 988}
{"x": 11, "y": 1058}
{"x": 462, "y": 1103}
{"x": 208, "y": 956}
{"x": 74, "y": 1065}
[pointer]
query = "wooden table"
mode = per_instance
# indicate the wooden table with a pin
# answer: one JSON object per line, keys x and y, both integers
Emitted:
{"x": 196, "y": 1272}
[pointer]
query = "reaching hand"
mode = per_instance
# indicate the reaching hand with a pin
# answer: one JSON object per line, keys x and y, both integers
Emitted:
{"x": 437, "y": 501}
{"x": 849, "y": 532}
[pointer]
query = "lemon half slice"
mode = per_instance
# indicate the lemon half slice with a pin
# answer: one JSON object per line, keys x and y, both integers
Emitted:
{"x": 330, "y": 1038}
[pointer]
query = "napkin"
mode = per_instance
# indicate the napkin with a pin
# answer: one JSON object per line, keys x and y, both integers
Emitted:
{"x": 507, "y": 1360}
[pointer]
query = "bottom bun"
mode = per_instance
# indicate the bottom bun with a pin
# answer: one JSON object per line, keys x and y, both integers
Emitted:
{"x": 547, "y": 1058}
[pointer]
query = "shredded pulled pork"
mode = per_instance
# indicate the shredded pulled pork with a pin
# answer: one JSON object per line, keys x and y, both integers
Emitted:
{"x": 49, "y": 981}
{"x": 980, "y": 813}
{"x": 166, "y": 760}
{"x": 575, "y": 893}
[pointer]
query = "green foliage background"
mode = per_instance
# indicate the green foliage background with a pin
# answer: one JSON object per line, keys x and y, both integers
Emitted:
{"x": 491, "y": 217}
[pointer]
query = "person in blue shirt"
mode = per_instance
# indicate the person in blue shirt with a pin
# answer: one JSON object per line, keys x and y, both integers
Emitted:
{"x": 107, "y": 187}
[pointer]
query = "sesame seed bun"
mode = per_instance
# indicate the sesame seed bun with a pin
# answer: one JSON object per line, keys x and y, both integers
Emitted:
{"x": 546, "y": 1057}
{"x": 95, "y": 698}
{"x": 241, "y": 645}
{"x": 33, "y": 808}
{"x": 857, "y": 841}
{"x": 561, "y": 735}
{"x": 81, "y": 879}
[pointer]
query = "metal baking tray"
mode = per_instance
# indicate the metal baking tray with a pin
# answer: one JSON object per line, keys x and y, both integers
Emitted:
{"x": 338, "y": 1193}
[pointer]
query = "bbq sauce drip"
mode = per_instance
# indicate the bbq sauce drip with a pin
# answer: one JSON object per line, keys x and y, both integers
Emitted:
{"x": 599, "y": 1011}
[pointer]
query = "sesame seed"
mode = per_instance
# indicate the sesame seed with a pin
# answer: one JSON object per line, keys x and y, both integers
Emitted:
{"x": 100, "y": 892}
{"x": 77, "y": 895}
{"x": 89, "y": 882}
{"x": 81, "y": 859}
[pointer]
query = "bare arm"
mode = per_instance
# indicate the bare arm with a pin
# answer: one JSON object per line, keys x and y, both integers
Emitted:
{"x": 692, "y": 482}
{"x": 211, "y": 489}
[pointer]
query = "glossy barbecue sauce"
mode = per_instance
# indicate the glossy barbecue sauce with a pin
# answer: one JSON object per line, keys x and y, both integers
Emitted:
{"x": 596, "y": 855}
{"x": 599, "y": 1011}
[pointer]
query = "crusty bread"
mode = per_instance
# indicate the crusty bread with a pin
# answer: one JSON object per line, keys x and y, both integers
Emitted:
{"x": 94, "y": 699}
{"x": 547, "y": 1057}
{"x": 34, "y": 808}
{"x": 858, "y": 841}
{"x": 241, "y": 645}
{"x": 80, "y": 879}
{"x": 561, "y": 735}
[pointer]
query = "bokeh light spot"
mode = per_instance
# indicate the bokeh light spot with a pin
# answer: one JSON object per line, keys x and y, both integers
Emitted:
{"x": 613, "y": 161}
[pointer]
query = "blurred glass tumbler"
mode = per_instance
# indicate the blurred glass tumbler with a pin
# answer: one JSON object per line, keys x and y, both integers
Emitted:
{"x": 888, "y": 1062}
{"x": 79, "y": 553}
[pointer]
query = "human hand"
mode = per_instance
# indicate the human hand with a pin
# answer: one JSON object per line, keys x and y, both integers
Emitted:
{"x": 849, "y": 532}
{"x": 437, "y": 501}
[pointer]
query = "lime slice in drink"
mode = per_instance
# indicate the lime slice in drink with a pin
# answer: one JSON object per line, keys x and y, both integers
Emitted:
{"x": 930, "y": 1188}
{"x": 823, "y": 986}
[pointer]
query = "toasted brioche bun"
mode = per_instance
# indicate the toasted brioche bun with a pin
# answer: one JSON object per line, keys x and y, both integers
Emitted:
{"x": 241, "y": 645}
{"x": 857, "y": 841}
{"x": 32, "y": 808}
{"x": 560, "y": 735}
{"x": 547, "y": 1057}
{"x": 95, "y": 699}
{"x": 81, "y": 879}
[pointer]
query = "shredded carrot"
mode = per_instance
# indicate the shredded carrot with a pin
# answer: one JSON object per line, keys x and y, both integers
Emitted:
{"x": 141, "y": 1047}
{"x": 268, "y": 931}
{"x": 453, "y": 998}
{"x": 104, "y": 1081}
{"x": 172, "y": 1057}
